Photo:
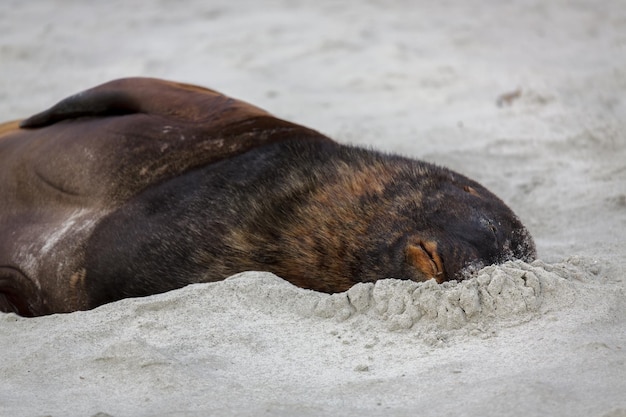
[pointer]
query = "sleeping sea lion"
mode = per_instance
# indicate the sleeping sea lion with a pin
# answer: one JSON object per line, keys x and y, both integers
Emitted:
{"x": 139, "y": 186}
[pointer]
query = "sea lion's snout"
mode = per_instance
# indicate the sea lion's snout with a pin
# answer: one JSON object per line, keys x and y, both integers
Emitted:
{"x": 485, "y": 240}
{"x": 473, "y": 230}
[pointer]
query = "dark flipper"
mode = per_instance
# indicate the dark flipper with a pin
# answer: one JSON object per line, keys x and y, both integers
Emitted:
{"x": 86, "y": 104}
{"x": 179, "y": 101}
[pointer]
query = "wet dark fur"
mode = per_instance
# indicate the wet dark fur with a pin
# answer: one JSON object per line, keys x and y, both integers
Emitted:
{"x": 319, "y": 214}
{"x": 322, "y": 215}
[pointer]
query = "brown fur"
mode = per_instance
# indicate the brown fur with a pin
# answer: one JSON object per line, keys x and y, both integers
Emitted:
{"x": 140, "y": 186}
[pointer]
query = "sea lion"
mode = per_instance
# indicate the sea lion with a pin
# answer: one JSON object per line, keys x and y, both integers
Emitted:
{"x": 139, "y": 186}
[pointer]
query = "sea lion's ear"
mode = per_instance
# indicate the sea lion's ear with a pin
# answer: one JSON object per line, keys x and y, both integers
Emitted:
{"x": 423, "y": 256}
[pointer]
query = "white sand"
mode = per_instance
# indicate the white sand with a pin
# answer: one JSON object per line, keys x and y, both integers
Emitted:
{"x": 417, "y": 77}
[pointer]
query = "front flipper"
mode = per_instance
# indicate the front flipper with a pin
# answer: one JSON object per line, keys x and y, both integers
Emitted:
{"x": 183, "y": 102}
{"x": 86, "y": 104}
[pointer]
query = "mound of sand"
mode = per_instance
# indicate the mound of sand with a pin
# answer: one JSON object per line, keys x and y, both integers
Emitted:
{"x": 255, "y": 343}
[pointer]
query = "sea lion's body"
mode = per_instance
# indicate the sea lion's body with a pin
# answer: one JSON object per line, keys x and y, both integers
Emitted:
{"x": 140, "y": 186}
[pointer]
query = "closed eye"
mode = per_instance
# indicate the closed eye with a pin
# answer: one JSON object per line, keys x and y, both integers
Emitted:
{"x": 424, "y": 257}
{"x": 431, "y": 255}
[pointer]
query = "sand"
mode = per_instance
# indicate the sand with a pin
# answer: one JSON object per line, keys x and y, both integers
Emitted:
{"x": 527, "y": 97}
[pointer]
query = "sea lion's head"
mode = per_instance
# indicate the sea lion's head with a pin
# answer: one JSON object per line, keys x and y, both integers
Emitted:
{"x": 461, "y": 226}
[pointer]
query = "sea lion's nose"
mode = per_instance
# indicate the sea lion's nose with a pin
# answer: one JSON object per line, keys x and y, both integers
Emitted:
{"x": 490, "y": 229}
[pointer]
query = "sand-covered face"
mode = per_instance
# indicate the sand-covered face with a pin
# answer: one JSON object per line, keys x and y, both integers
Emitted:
{"x": 462, "y": 228}
{"x": 372, "y": 216}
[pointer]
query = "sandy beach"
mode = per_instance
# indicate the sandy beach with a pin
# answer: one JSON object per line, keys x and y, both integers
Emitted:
{"x": 526, "y": 97}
